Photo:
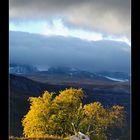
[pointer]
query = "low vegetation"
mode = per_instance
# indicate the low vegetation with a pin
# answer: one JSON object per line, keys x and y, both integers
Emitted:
{"x": 43, "y": 138}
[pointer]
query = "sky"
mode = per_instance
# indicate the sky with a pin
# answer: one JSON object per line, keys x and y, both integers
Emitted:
{"x": 85, "y": 19}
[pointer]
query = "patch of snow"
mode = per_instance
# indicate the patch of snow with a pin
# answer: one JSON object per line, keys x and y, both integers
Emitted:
{"x": 115, "y": 79}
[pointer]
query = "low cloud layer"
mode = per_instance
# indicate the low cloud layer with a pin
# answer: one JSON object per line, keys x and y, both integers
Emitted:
{"x": 43, "y": 52}
{"x": 111, "y": 16}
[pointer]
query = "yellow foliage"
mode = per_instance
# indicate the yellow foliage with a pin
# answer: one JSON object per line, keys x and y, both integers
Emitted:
{"x": 65, "y": 115}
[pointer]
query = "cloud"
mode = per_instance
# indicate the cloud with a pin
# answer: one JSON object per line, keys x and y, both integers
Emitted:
{"x": 111, "y": 16}
{"x": 59, "y": 27}
{"x": 43, "y": 51}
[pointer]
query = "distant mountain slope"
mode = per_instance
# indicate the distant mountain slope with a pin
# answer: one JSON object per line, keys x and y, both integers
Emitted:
{"x": 64, "y": 75}
{"x": 119, "y": 75}
{"x": 22, "y": 88}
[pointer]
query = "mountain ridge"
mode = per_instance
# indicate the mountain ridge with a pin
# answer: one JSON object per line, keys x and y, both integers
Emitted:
{"x": 68, "y": 73}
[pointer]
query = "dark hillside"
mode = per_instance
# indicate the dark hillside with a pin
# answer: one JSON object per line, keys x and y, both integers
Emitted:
{"x": 22, "y": 88}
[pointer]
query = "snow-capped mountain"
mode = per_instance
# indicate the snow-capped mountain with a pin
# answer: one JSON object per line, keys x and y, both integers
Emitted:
{"x": 68, "y": 72}
{"x": 21, "y": 69}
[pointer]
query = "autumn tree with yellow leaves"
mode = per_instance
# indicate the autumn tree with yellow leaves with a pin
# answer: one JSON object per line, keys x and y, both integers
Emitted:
{"x": 65, "y": 115}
